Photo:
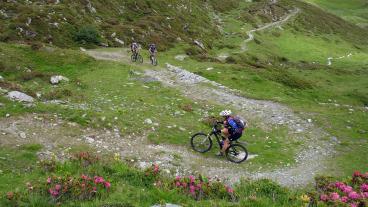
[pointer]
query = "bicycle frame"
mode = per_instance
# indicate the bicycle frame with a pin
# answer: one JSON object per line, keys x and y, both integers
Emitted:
{"x": 217, "y": 134}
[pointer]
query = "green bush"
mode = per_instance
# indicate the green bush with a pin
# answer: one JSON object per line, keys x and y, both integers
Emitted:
{"x": 87, "y": 35}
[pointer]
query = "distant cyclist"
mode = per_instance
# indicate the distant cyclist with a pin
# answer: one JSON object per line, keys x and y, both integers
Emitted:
{"x": 233, "y": 129}
{"x": 134, "y": 47}
{"x": 152, "y": 49}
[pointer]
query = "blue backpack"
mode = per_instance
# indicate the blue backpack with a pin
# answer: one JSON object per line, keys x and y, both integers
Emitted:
{"x": 237, "y": 124}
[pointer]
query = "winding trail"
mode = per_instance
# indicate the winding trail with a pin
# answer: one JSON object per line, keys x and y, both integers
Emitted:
{"x": 273, "y": 24}
{"x": 310, "y": 160}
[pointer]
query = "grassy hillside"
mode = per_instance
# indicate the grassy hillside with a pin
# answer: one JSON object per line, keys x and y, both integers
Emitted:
{"x": 145, "y": 21}
{"x": 354, "y": 11}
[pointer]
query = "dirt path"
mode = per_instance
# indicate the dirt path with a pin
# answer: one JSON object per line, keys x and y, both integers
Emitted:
{"x": 310, "y": 158}
{"x": 273, "y": 24}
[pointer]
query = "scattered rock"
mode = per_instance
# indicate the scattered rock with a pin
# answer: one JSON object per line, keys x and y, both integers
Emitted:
{"x": 56, "y": 79}
{"x": 22, "y": 135}
{"x": 82, "y": 49}
{"x": 19, "y": 96}
{"x": 334, "y": 139}
{"x": 309, "y": 120}
{"x": 1, "y": 78}
{"x": 199, "y": 44}
{"x": 148, "y": 121}
{"x": 1, "y": 105}
{"x": 181, "y": 57}
{"x": 166, "y": 205}
{"x": 90, "y": 140}
{"x": 119, "y": 41}
{"x": 3, "y": 91}
{"x": 90, "y": 7}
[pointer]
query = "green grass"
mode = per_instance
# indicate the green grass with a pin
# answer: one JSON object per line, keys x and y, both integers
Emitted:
{"x": 354, "y": 11}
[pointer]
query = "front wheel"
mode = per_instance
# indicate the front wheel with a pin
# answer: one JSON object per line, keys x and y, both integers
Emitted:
{"x": 236, "y": 153}
{"x": 154, "y": 61}
{"x": 133, "y": 58}
{"x": 201, "y": 142}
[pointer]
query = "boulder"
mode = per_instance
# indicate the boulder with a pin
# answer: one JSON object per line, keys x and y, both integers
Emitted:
{"x": 1, "y": 78}
{"x": 19, "y": 96}
{"x": 56, "y": 79}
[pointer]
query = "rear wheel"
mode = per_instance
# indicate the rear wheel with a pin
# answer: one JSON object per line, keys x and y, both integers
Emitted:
{"x": 201, "y": 142}
{"x": 236, "y": 153}
{"x": 140, "y": 58}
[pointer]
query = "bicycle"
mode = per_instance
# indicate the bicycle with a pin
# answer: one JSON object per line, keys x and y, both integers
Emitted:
{"x": 136, "y": 57}
{"x": 202, "y": 143}
{"x": 153, "y": 60}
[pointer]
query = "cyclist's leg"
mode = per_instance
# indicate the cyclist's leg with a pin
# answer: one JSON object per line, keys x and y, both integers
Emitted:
{"x": 226, "y": 144}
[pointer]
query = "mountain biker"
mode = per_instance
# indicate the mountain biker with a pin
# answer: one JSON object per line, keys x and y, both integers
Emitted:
{"x": 152, "y": 50}
{"x": 233, "y": 129}
{"x": 134, "y": 47}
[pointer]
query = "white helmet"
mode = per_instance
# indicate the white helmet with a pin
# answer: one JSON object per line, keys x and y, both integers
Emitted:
{"x": 225, "y": 113}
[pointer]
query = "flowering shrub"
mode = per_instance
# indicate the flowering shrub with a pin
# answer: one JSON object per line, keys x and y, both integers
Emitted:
{"x": 201, "y": 187}
{"x": 71, "y": 188}
{"x": 85, "y": 158}
{"x": 352, "y": 193}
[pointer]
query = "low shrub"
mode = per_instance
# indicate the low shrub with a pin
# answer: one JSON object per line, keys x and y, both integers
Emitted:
{"x": 202, "y": 188}
{"x": 58, "y": 93}
{"x": 87, "y": 35}
{"x": 72, "y": 188}
{"x": 85, "y": 158}
{"x": 352, "y": 192}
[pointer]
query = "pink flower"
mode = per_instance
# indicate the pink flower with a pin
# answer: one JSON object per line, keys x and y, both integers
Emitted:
{"x": 94, "y": 189}
{"x": 155, "y": 168}
{"x": 184, "y": 184}
{"x": 48, "y": 180}
{"x": 340, "y": 185}
{"x": 107, "y": 184}
{"x": 192, "y": 178}
{"x": 365, "y": 195}
{"x": 191, "y": 189}
{"x": 347, "y": 189}
{"x": 84, "y": 177}
{"x": 229, "y": 190}
{"x": 324, "y": 197}
{"x": 354, "y": 195}
{"x": 57, "y": 187}
{"x": 364, "y": 187}
{"x": 99, "y": 179}
{"x": 199, "y": 186}
{"x": 334, "y": 196}
{"x": 353, "y": 205}
{"x": 53, "y": 192}
{"x": 177, "y": 183}
{"x": 177, "y": 178}
{"x": 357, "y": 174}
{"x": 344, "y": 199}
